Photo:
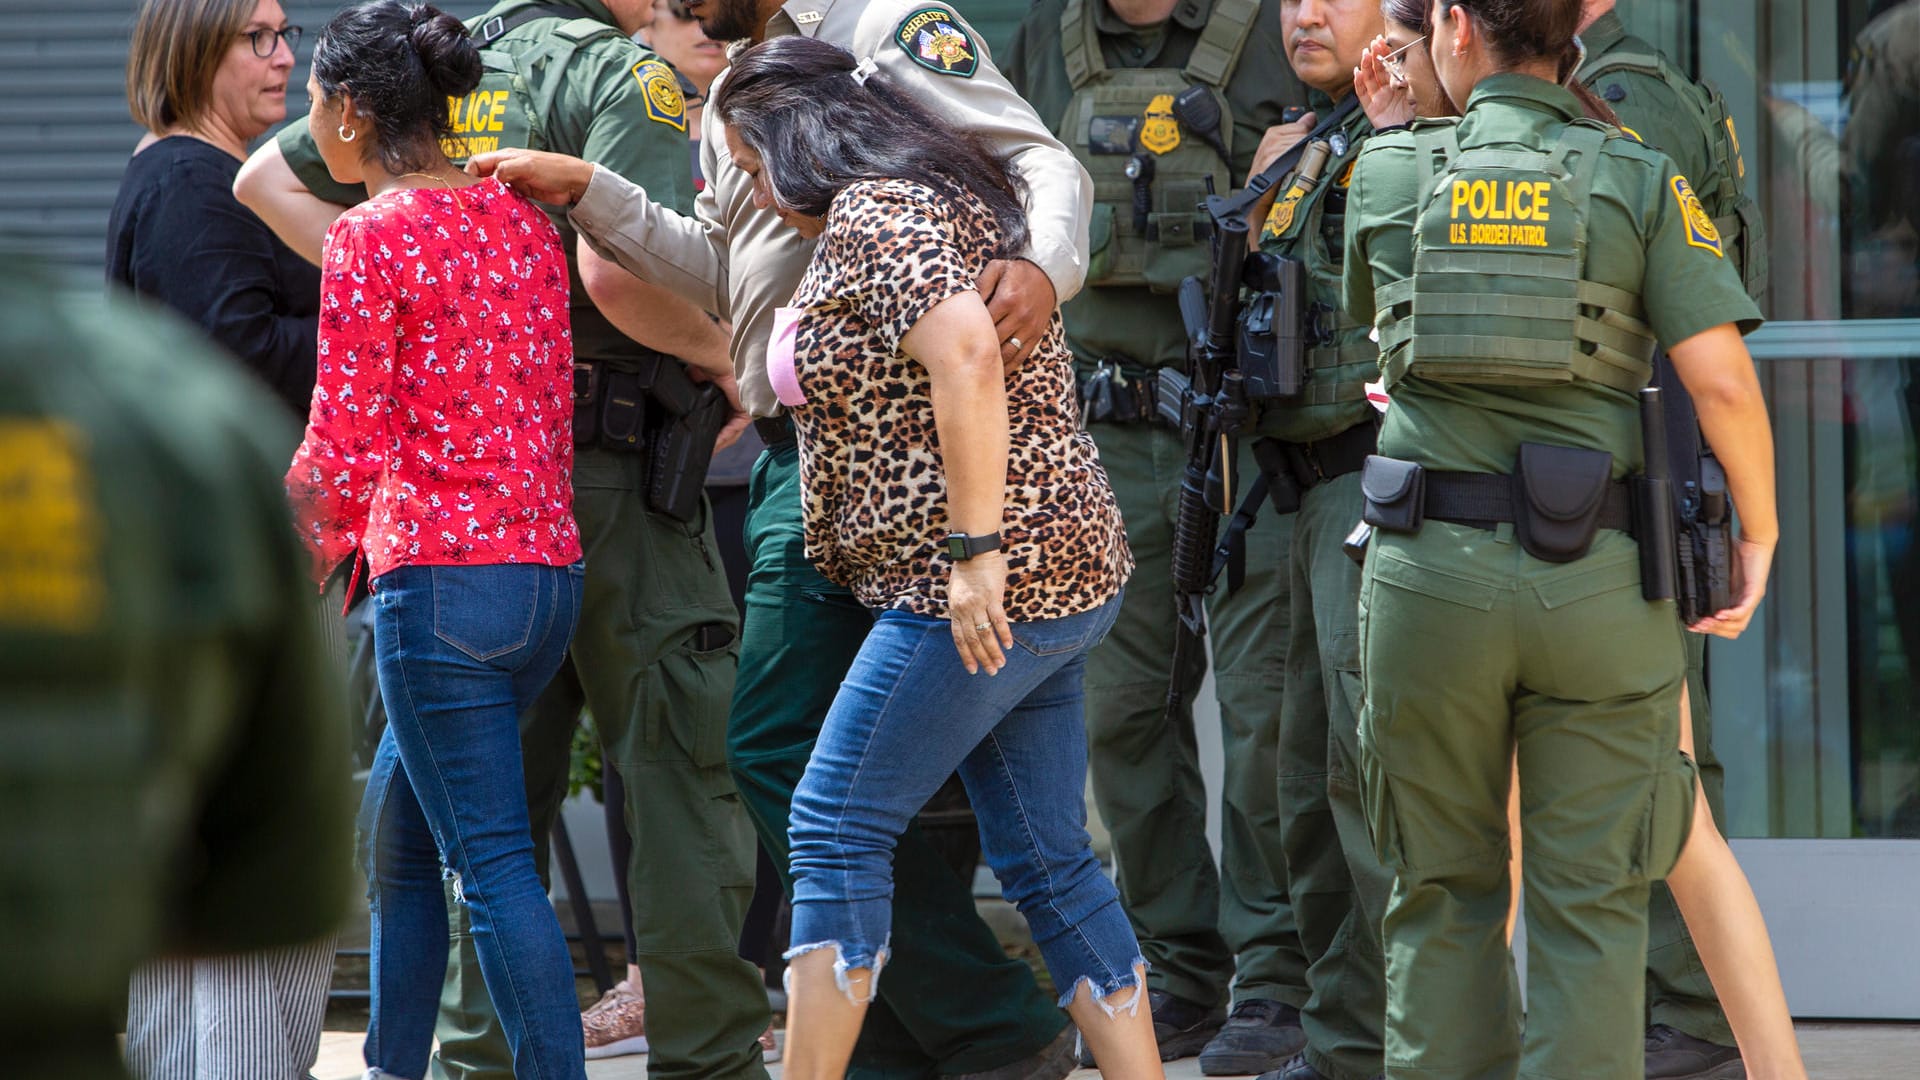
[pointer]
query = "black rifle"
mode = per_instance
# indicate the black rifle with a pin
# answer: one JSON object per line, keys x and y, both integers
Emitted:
{"x": 1210, "y": 402}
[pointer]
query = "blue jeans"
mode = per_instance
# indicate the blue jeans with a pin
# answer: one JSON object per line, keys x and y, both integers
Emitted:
{"x": 462, "y": 651}
{"x": 907, "y": 717}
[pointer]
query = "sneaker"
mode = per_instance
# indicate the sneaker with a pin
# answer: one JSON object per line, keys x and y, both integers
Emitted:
{"x": 1258, "y": 1036}
{"x": 769, "y": 1046}
{"x": 616, "y": 1025}
{"x": 1181, "y": 1027}
{"x": 1675, "y": 1055}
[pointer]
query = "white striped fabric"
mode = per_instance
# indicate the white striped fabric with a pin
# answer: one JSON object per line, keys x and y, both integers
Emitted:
{"x": 251, "y": 1016}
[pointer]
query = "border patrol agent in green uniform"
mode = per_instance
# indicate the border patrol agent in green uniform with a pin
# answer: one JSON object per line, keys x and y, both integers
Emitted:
{"x": 655, "y": 652}
{"x": 1520, "y": 265}
{"x": 1691, "y": 124}
{"x": 1110, "y": 89}
{"x": 174, "y": 762}
{"x": 1310, "y": 446}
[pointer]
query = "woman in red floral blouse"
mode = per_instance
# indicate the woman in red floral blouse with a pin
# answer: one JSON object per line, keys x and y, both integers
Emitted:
{"x": 439, "y": 450}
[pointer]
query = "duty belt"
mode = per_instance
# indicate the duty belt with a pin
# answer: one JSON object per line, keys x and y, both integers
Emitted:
{"x": 776, "y": 431}
{"x": 1485, "y": 500}
{"x": 1119, "y": 391}
{"x": 1289, "y": 469}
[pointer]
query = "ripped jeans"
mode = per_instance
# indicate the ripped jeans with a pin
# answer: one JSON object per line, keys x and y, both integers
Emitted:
{"x": 908, "y": 716}
{"x": 462, "y": 651}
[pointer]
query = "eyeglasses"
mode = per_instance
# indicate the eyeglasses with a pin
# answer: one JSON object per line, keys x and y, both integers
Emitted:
{"x": 1396, "y": 66}
{"x": 266, "y": 41}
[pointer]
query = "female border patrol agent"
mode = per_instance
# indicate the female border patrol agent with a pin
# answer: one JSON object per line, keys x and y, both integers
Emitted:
{"x": 1520, "y": 266}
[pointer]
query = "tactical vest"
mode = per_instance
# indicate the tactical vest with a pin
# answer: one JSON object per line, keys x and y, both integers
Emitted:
{"x": 506, "y": 111}
{"x": 1734, "y": 214}
{"x": 1342, "y": 360}
{"x": 503, "y": 112}
{"x": 1116, "y": 113}
{"x": 1499, "y": 291}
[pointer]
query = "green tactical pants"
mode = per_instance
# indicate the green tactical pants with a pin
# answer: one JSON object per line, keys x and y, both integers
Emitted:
{"x": 661, "y": 710}
{"x": 951, "y": 1000}
{"x": 1472, "y": 648}
{"x": 1338, "y": 886}
{"x": 1679, "y": 994}
{"x": 1197, "y": 926}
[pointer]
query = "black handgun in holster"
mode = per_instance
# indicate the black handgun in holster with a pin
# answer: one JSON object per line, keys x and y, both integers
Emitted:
{"x": 1272, "y": 336}
{"x": 682, "y": 448}
{"x": 650, "y": 406}
{"x": 1703, "y": 511}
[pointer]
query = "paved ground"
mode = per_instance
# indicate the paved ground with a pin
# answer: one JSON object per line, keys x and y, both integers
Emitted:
{"x": 1833, "y": 1052}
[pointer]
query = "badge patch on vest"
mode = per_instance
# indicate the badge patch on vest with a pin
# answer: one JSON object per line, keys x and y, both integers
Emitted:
{"x": 1280, "y": 218}
{"x": 50, "y": 574}
{"x": 1346, "y": 175}
{"x": 1159, "y": 131}
{"x": 1112, "y": 134}
{"x": 933, "y": 39}
{"x": 1700, "y": 230}
{"x": 665, "y": 102}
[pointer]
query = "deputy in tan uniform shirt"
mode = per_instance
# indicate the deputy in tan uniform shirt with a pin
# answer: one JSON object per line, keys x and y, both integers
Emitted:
{"x": 740, "y": 262}
{"x": 951, "y": 1004}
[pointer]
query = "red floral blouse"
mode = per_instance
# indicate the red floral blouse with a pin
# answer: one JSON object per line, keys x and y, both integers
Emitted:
{"x": 441, "y": 425}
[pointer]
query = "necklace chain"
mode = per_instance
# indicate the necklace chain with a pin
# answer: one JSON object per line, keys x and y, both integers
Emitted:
{"x": 441, "y": 180}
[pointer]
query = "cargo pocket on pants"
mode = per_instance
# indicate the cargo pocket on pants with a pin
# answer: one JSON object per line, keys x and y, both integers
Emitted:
{"x": 1376, "y": 796}
{"x": 689, "y": 694}
{"x": 1669, "y": 818}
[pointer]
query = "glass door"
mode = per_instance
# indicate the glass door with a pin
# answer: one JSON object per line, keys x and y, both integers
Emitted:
{"x": 1817, "y": 716}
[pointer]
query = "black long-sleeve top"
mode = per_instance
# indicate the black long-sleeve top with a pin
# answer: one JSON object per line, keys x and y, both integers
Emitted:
{"x": 178, "y": 235}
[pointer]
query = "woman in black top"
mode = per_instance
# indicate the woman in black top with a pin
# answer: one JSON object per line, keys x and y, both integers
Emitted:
{"x": 205, "y": 78}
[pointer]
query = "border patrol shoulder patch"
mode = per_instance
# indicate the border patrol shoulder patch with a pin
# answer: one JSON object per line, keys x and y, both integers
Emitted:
{"x": 665, "y": 103}
{"x": 1699, "y": 226}
{"x": 936, "y": 40}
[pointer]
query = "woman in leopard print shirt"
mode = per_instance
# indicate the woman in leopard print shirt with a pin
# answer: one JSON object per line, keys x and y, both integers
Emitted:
{"x": 911, "y": 431}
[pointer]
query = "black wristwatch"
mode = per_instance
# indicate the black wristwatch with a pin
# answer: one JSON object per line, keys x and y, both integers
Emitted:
{"x": 963, "y": 547}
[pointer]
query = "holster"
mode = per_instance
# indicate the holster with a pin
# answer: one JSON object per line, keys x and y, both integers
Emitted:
{"x": 1559, "y": 492}
{"x": 1706, "y": 544}
{"x": 1272, "y": 337}
{"x": 652, "y": 408}
{"x": 681, "y": 450}
{"x": 1110, "y": 396}
{"x": 1292, "y": 469}
{"x": 1395, "y": 492}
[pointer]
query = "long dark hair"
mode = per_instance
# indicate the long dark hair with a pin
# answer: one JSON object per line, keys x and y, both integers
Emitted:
{"x": 817, "y": 129}
{"x": 401, "y": 61}
{"x": 1519, "y": 31}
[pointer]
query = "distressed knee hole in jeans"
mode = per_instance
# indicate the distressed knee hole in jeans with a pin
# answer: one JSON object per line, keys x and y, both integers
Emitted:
{"x": 842, "y": 969}
{"x": 1134, "y": 979}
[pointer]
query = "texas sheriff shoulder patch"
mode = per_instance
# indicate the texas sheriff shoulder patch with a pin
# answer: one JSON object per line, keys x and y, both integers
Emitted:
{"x": 934, "y": 39}
{"x": 665, "y": 102}
{"x": 1700, "y": 230}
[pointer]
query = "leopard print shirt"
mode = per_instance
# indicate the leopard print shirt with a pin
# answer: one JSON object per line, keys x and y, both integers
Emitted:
{"x": 870, "y": 469}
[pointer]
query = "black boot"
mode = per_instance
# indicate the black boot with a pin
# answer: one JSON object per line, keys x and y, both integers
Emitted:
{"x": 1676, "y": 1055}
{"x": 1258, "y": 1036}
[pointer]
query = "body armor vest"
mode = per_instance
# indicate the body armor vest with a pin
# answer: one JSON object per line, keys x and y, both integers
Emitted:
{"x": 1735, "y": 216}
{"x": 518, "y": 89}
{"x": 1340, "y": 360}
{"x": 1120, "y": 122}
{"x": 1499, "y": 291}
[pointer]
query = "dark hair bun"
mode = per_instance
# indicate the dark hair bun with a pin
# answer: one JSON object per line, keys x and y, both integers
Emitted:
{"x": 447, "y": 53}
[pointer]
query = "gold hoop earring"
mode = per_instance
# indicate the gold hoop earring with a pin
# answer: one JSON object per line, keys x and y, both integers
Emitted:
{"x": 347, "y": 134}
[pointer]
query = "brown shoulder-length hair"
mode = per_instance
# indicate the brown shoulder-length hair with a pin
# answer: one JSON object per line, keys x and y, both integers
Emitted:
{"x": 178, "y": 45}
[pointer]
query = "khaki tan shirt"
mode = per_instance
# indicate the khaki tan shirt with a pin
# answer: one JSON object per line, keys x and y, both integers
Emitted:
{"x": 741, "y": 263}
